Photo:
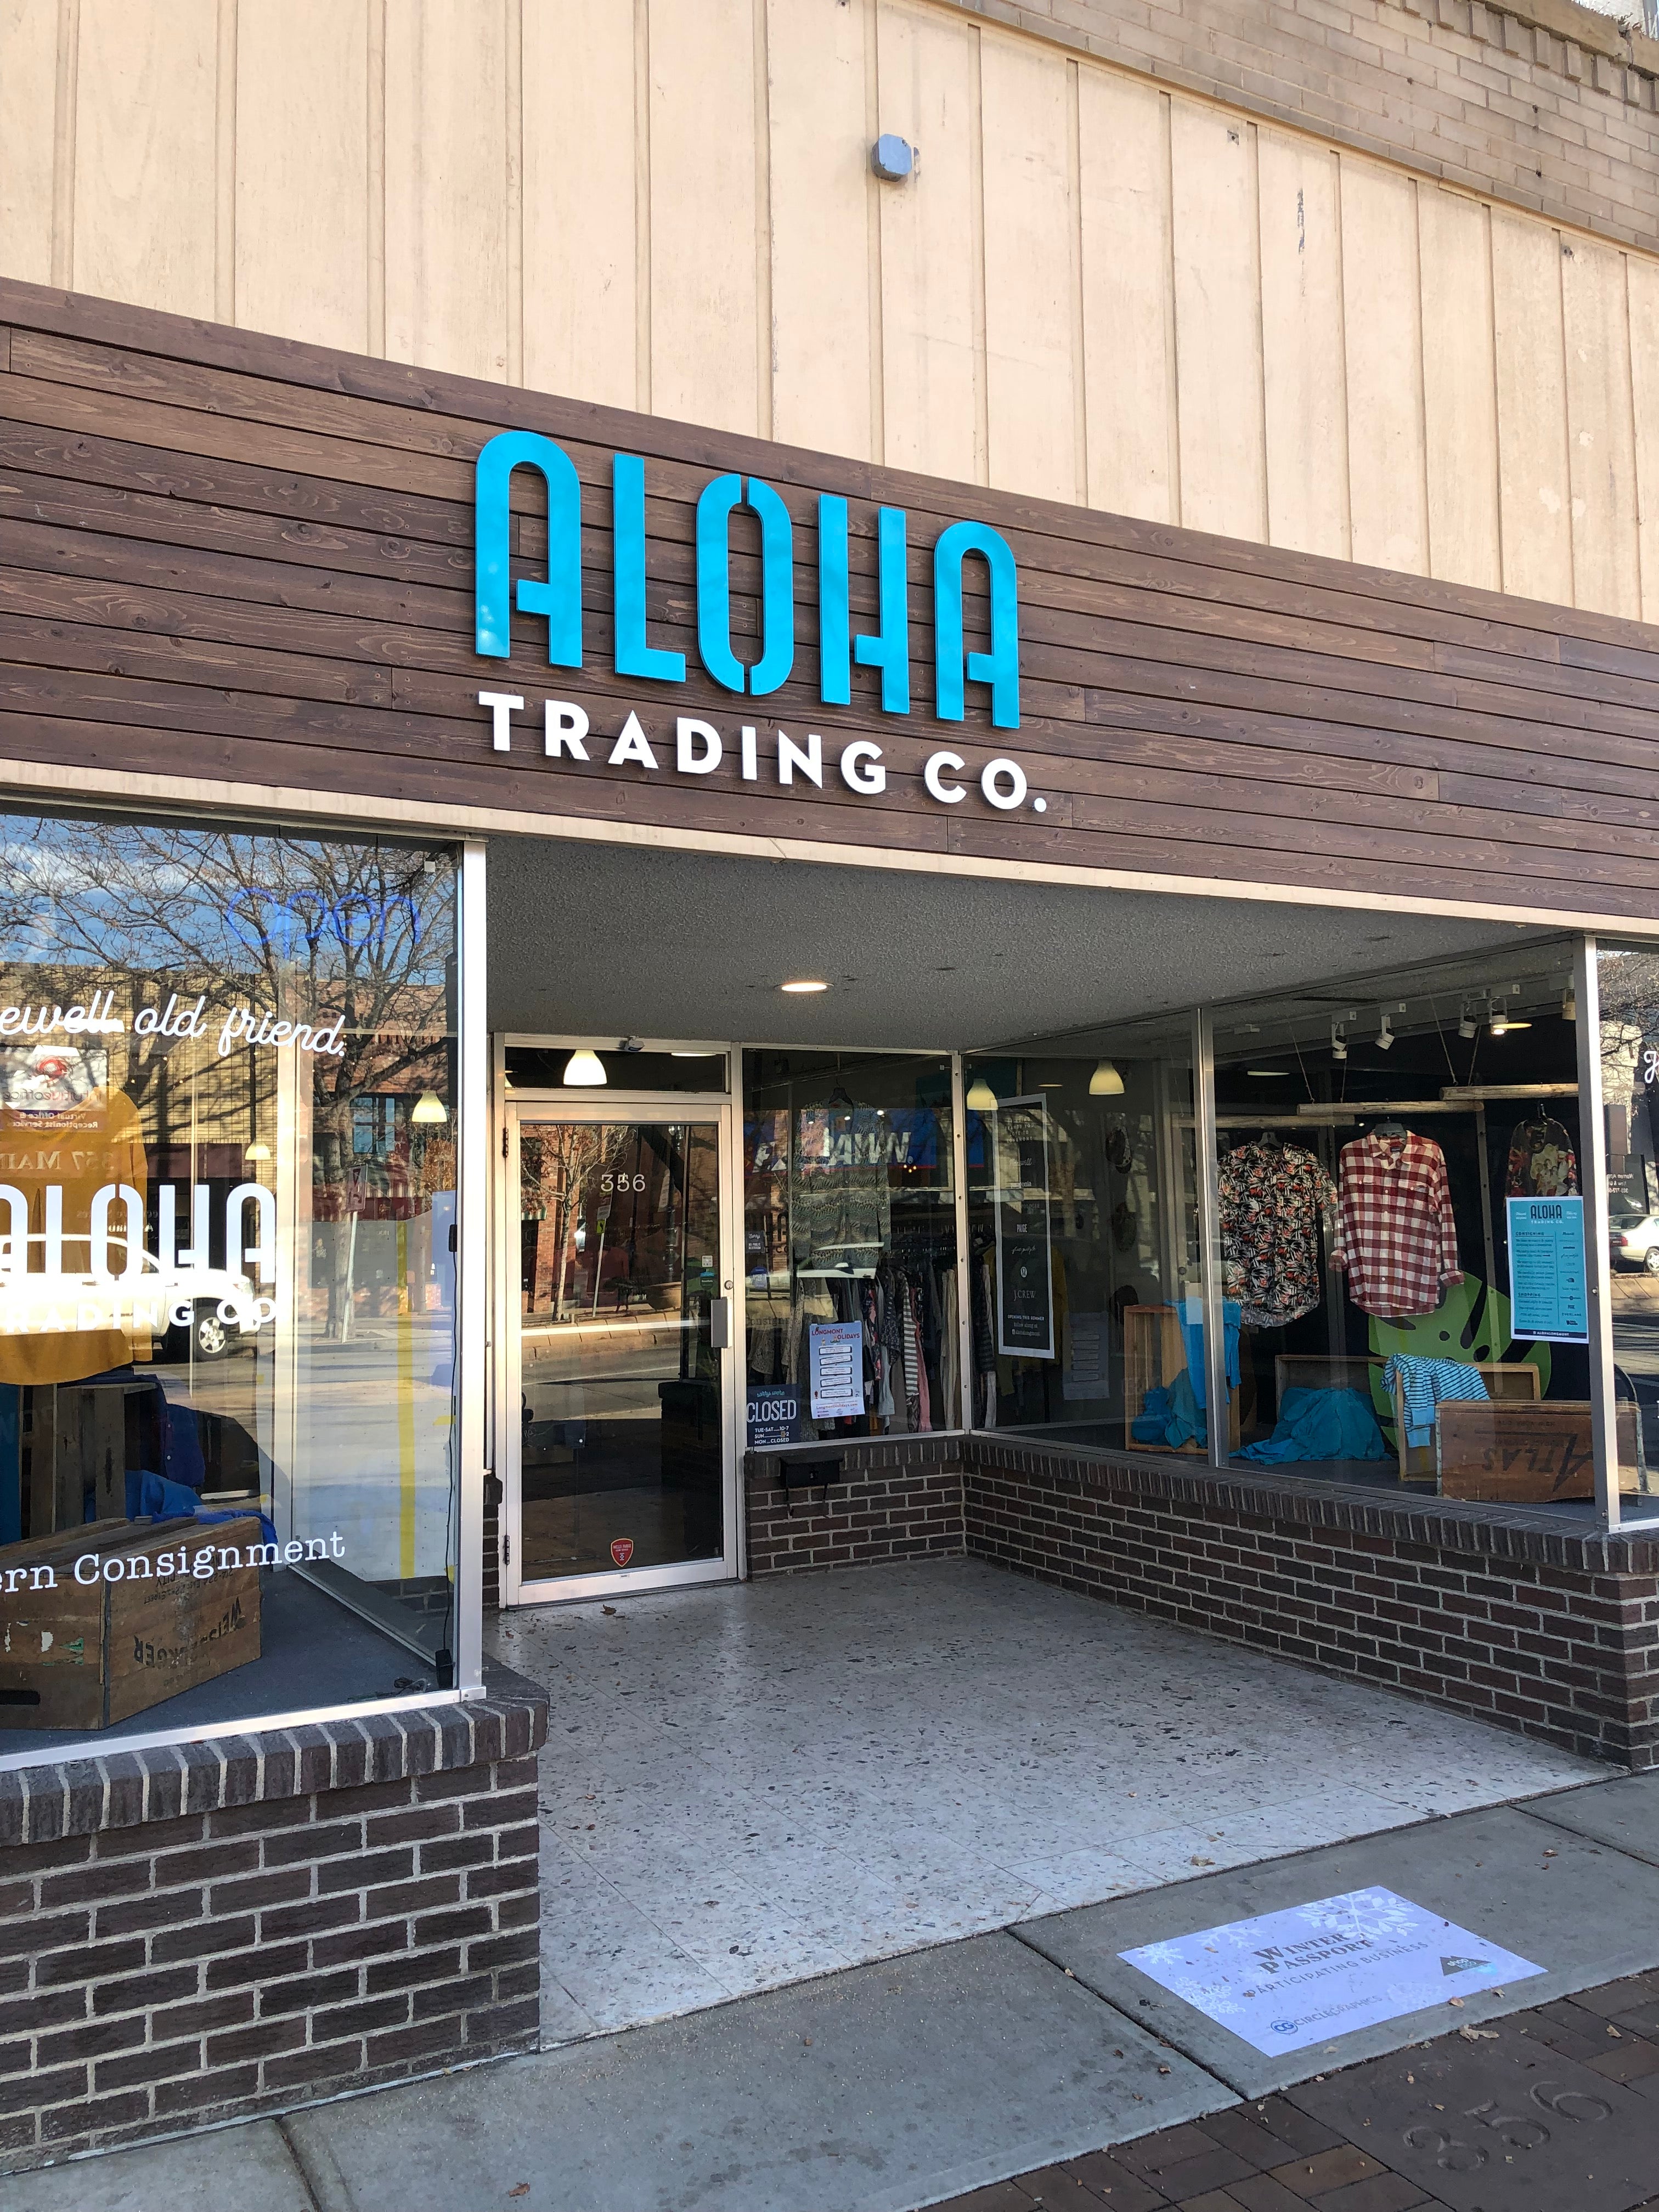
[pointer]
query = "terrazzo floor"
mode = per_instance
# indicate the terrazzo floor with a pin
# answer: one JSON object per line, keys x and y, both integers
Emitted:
{"x": 749, "y": 1784}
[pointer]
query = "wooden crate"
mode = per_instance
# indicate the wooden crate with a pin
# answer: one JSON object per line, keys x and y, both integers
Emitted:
{"x": 1526, "y": 1455}
{"x": 1154, "y": 1353}
{"x": 1507, "y": 1384}
{"x": 82, "y": 1653}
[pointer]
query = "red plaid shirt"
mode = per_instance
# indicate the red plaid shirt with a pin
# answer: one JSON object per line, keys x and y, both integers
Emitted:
{"x": 1398, "y": 1232}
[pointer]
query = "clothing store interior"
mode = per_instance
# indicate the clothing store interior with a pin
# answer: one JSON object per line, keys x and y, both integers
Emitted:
{"x": 1397, "y": 1250}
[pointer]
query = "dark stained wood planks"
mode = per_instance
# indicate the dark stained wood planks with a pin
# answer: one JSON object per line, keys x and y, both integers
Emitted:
{"x": 243, "y": 562}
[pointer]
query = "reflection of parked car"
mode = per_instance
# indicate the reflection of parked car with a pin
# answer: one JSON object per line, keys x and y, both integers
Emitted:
{"x": 1633, "y": 1241}
{"x": 223, "y": 1309}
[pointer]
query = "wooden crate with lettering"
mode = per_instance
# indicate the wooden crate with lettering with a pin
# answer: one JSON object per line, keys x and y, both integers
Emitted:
{"x": 1522, "y": 1454}
{"x": 1507, "y": 1383}
{"x": 84, "y": 1652}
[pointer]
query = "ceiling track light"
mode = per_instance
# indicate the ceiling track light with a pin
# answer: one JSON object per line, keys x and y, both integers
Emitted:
{"x": 1338, "y": 1042}
{"x": 1385, "y": 1034}
{"x": 1466, "y": 1021}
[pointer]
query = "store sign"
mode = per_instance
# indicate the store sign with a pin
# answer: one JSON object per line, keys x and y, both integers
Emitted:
{"x": 1284, "y": 1980}
{"x": 556, "y": 597}
{"x": 1548, "y": 1295}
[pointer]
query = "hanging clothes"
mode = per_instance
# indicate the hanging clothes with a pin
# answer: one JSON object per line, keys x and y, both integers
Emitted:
{"x": 1274, "y": 1201}
{"x": 1399, "y": 1238}
{"x": 1542, "y": 1162}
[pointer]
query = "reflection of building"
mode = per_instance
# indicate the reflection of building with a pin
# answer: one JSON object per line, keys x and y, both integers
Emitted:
{"x": 1155, "y": 625}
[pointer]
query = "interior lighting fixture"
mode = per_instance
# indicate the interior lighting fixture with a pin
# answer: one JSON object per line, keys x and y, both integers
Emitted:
{"x": 1499, "y": 1024}
{"x": 585, "y": 1066}
{"x": 1569, "y": 1004}
{"x": 802, "y": 986}
{"x": 256, "y": 1150}
{"x": 982, "y": 1097}
{"x": 429, "y": 1107}
{"x": 1466, "y": 1021}
{"x": 1105, "y": 1082}
{"x": 1266, "y": 1071}
{"x": 1385, "y": 1034}
{"x": 1338, "y": 1042}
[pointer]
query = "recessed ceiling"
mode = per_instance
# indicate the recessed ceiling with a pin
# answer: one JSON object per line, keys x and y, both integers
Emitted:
{"x": 613, "y": 940}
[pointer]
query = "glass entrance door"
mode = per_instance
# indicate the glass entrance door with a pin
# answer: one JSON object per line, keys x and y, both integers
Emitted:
{"x": 623, "y": 1350}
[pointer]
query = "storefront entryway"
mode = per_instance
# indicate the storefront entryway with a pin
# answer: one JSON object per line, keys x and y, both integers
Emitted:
{"x": 747, "y": 1786}
{"x": 618, "y": 1361}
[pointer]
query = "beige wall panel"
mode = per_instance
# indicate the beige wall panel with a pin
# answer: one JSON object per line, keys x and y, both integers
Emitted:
{"x": 1303, "y": 392}
{"x": 705, "y": 214}
{"x": 1459, "y": 397}
{"x": 580, "y": 212}
{"x": 1600, "y": 438}
{"x": 302, "y": 169}
{"x": 446, "y": 185}
{"x": 1534, "y": 504}
{"x": 1387, "y": 494}
{"x": 1643, "y": 277}
{"x": 818, "y": 155}
{"x": 1128, "y": 305}
{"x": 28, "y": 77}
{"x": 930, "y": 364}
{"x": 146, "y": 133}
{"x": 1217, "y": 322}
{"x": 1030, "y": 269}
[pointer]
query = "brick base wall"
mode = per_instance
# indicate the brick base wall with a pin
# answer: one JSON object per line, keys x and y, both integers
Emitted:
{"x": 1554, "y": 1636}
{"x": 900, "y": 1500}
{"x": 198, "y": 1935}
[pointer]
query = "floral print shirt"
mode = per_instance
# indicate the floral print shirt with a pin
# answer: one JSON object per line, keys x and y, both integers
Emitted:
{"x": 1273, "y": 1198}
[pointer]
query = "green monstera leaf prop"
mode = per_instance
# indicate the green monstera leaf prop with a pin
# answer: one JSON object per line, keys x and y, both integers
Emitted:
{"x": 1471, "y": 1322}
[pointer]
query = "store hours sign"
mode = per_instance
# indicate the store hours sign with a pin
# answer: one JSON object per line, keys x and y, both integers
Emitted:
{"x": 692, "y": 746}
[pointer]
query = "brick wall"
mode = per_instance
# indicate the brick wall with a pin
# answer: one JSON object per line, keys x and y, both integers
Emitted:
{"x": 900, "y": 1500}
{"x": 1553, "y": 1635}
{"x": 196, "y": 1934}
{"x": 1542, "y": 103}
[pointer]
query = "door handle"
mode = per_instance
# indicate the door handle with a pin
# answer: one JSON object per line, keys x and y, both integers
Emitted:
{"x": 720, "y": 1323}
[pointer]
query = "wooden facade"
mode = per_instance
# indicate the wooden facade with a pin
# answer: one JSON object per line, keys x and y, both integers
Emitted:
{"x": 236, "y": 570}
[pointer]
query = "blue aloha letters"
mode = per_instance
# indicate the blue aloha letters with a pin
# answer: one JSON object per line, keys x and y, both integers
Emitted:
{"x": 556, "y": 595}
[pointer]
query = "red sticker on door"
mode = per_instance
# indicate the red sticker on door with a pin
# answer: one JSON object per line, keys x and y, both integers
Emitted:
{"x": 621, "y": 1549}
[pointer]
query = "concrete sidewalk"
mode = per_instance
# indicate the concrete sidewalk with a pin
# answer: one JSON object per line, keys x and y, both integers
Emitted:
{"x": 901, "y": 2084}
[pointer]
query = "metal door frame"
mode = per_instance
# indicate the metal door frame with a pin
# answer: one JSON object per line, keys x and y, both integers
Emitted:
{"x": 613, "y": 1105}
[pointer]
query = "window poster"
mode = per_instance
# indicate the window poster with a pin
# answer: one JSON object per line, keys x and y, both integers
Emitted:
{"x": 835, "y": 1359}
{"x": 1020, "y": 1190}
{"x": 774, "y": 1410}
{"x": 1547, "y": 1298}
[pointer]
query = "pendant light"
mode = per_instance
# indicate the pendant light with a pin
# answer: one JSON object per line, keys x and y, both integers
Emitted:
{"x": 981, "y": 1097}
{"x": 585, "y": 1066}
{"x": 1105, "y": 1082}
{"x": 429, "y": 1107}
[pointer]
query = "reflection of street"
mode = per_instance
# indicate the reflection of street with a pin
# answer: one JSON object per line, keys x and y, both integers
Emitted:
{"x": 609, "y": 1367}
{"x": 347, "y": 1458}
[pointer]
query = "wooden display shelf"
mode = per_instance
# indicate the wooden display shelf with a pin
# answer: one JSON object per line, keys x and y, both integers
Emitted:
{"x": 1154, "y": 1354}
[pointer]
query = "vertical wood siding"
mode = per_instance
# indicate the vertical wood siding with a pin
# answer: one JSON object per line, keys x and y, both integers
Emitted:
{"x": 1092, "y": 290}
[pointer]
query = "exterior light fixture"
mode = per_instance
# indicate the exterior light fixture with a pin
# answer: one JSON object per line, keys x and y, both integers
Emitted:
{"x": 981, "y": 1097}
{"x": 893, "y": 158}
{"x": 585, "y": 1066}
{"x": 429, "y": 1107}
{"x": 256, "y": 1150}
{"x": 802, "y": 987}
{"x": 1338, "y": 1042}
{"x": 1385, "y": 1035}
{"x": 1105, "y": 1082}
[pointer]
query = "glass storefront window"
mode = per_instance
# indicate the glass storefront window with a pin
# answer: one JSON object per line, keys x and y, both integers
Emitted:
{"x": 1400, "y": 1224}
{"x": 1084, "y": 1280}
{"x": 850, "y": 1246}
{"x": 229, "y": 1127}
{"x": 1628, "y": 988}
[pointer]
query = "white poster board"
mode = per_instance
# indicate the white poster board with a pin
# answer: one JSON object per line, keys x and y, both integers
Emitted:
{"x": 835, "y": 1364}
{"x": 1286, "y": 1979}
